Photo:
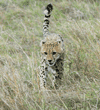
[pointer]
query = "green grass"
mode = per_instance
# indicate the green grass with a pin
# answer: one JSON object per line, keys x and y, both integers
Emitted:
{"x": 20, "y": 36}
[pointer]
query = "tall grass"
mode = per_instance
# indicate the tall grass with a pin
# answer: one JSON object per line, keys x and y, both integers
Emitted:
{"x": 78, "y": 21}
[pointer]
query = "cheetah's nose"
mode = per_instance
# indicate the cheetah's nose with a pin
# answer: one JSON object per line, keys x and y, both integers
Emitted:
{"x": 49, "y": 60}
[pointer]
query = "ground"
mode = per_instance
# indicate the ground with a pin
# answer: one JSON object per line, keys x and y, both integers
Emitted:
{"x": 78, "y": 21}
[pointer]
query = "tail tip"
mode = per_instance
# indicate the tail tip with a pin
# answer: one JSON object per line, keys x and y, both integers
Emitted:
{"x": 48, "y": 9}
{"x": 50, "y": 6}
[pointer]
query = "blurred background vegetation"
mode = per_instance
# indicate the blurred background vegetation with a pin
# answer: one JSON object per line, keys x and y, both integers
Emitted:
{"x": 78, "y": 21}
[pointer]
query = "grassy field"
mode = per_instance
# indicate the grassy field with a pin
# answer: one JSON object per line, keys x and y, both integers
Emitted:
{"x": 78, "y": 21}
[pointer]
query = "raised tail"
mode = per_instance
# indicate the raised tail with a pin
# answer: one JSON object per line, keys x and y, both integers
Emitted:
{"x": 47, "y": 13}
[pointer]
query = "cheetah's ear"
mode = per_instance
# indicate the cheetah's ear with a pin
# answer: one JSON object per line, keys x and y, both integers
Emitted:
{"x": 59, "y": 42}
{"x": 61, "y": 37}
{"x": 60, "y": 45}
{"x": 42, "y": 42}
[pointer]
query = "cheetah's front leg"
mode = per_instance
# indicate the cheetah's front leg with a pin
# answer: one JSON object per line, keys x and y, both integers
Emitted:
{"x": 43, "y": 77}
{"x": 57, "y": 80}
{"x": 59, "y": 74}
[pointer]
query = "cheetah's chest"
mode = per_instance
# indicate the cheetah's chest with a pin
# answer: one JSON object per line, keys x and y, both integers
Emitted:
{"x": 51, "y": 70}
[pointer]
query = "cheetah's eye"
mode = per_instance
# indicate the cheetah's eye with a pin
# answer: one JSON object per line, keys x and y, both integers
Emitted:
{"x": 45, "y": 53}
{"x": 54, "y": 53}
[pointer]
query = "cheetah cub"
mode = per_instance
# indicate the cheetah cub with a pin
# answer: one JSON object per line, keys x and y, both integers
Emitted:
{"x": 52, "y": 53}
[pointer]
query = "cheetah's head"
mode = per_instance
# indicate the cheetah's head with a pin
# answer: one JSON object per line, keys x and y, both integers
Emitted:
{"x": 51, "y": 49}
